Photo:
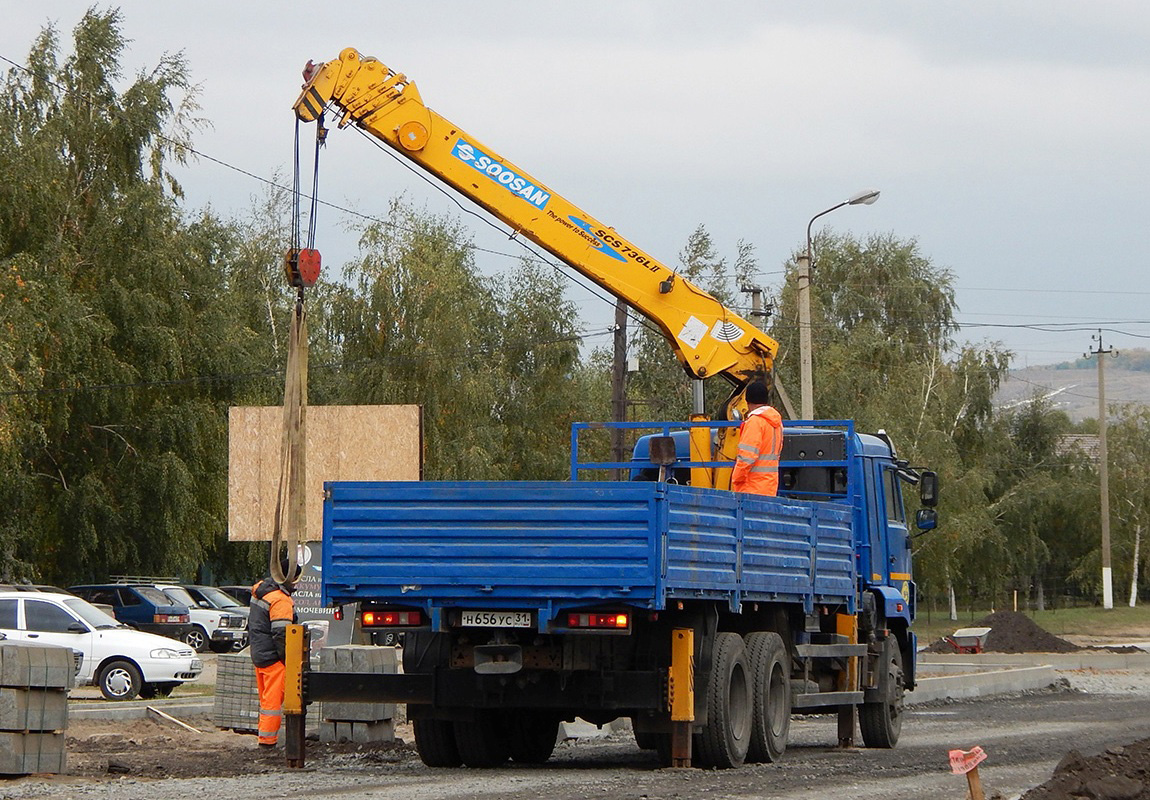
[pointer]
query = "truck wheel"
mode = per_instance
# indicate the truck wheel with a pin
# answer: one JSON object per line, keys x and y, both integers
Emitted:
{"x": 723, "y": 743}
{"x": 435, "y": 741}
{"x": 881, "y": 721}
{"x": 197, "y": 639}
{"x": 771, "y": 696}
{"x": 532, "y": 737}
{"x": 482, "y": 742}
{"x": 120, "y": 680}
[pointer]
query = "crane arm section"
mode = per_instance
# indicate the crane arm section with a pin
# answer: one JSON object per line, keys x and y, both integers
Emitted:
{"x": 707, "y": 337}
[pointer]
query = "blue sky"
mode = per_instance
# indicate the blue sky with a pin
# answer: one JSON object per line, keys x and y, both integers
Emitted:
{"x": 1008, "y": 139}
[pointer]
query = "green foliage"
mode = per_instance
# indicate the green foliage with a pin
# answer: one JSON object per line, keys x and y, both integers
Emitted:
{"x": 113, "y": 449}
{"x": 1135, "y": 360}
{"x": 493, "y": 362}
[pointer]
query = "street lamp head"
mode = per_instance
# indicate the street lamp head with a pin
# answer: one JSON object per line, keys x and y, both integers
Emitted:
{"x": 864, "y": 198}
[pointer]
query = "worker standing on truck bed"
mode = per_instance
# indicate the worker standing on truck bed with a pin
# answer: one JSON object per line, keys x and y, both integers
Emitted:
{"x": 760, "y": 443}
{"x": 272, "y": 610}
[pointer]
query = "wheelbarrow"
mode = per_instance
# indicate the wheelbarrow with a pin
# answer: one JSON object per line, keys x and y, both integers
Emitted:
{"x": 968, "y": 640}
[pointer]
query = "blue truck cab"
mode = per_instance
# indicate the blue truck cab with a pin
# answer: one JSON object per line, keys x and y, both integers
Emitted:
{"x": 704, "y": 615}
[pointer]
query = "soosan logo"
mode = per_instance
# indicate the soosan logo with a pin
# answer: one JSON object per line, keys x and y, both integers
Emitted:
{"x": 507, "y": 178}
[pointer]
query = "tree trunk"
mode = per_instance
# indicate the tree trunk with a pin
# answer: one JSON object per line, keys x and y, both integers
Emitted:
{"x": 953, "y": 602}
{"x": 1040, "y": 599}
{"x": 1134, "y": 566}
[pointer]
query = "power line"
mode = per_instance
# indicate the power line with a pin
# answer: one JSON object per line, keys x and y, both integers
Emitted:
{"x": 267, "y": 373}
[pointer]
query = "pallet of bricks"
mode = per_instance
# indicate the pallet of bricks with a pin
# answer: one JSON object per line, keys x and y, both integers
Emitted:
{"x": 237, "y": 703}
{"x": 34, "y": 684}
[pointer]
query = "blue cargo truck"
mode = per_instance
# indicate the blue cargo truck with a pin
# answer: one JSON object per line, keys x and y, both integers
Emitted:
{"x": 705, "y": 616}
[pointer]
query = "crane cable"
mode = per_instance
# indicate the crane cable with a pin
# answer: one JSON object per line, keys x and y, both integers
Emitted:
{"x": 301, "y": 266}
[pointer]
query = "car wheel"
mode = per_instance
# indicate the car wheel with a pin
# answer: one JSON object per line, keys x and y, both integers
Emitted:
{"x": 197, "y": 639}
{"x": 222, "y": 647}
{"x": 120, "y": 680}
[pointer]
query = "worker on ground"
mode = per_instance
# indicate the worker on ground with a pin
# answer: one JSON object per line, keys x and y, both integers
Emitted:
{"x": 760, "y": 443}
{"x": 272, "y": 610}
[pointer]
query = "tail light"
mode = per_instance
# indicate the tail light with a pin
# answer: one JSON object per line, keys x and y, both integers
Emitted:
{"x": 391, "y": 619}
{"x": 610, "y": 621}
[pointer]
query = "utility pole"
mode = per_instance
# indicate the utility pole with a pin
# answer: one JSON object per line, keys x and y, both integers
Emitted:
{"x": 757, "y": 312}
{"x": 619, "y": 387}
{"x": 806, "y": 381}
{"x": 1104, "y": 471}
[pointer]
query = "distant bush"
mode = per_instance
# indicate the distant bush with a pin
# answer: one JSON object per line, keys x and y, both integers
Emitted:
{"x": 1136, "y": 360}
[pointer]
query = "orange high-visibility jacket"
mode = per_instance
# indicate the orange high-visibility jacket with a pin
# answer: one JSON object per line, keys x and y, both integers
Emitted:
{"x": 760, "y": 444}
{"x": 272, "y": 610}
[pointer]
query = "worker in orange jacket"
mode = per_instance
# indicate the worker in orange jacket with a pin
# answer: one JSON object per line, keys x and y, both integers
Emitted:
{"x": 760, "y": 444}
{"x": 272, "y": 610}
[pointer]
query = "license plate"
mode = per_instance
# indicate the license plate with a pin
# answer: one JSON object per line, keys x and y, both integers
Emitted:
{"x": 197, "y": 664}
{"x": 496, "y": 619}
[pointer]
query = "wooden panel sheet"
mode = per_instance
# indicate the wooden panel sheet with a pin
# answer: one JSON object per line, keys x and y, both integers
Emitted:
{"x": 357, "y": 443}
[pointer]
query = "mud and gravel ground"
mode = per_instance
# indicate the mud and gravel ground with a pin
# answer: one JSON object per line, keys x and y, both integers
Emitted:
{"x": 1102, "y": 716}
{"x": 1025, "y": 736}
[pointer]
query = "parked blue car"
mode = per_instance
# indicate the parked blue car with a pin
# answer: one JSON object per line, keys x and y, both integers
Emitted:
{"x": 142, "y": 607}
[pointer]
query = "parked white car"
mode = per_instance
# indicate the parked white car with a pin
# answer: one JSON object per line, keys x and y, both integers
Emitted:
{"x": 211, "y": 627}
{"x": 121, "y": 661}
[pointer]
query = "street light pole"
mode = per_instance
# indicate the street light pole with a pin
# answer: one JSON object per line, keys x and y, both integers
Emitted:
{"x": 806, "y": 381}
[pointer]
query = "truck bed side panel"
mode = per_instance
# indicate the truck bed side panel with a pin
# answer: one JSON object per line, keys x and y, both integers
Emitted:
{"x": 550, "y": 545}
{"x": 506, "y": 543}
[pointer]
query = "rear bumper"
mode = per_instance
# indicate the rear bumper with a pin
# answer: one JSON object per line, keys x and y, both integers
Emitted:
{"x": 463, "y": 688}
{"x": 170, "y": 630}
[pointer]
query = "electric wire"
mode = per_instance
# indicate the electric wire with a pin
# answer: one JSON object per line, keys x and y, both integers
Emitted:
{"x": 184, "y": 147}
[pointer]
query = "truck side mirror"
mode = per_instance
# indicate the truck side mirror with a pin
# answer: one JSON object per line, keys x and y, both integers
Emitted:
{"x": 926, "y": 519}
{"x": 928, "y": 488}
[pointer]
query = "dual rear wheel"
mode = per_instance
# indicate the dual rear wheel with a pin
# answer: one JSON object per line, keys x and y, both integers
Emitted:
{"x": 489, "y": 740}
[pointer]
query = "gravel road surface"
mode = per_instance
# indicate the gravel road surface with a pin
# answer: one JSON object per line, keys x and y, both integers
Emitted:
{"x": 1025, "y": 737}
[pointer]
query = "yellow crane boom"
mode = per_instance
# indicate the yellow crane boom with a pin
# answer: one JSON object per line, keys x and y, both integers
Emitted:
{"x": 708, "y": 338}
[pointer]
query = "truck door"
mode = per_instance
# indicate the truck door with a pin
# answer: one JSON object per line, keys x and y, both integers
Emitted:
{"x": 897, "y": 555}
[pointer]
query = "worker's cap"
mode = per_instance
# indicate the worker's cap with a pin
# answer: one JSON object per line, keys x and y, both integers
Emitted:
{"x": 757, "y": 393}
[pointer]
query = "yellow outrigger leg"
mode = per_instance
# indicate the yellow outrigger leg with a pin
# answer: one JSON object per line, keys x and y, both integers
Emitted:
{"x": 294, "y": 710}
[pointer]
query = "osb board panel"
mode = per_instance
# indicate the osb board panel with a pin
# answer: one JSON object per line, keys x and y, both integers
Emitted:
{"x": 344, "y": 443}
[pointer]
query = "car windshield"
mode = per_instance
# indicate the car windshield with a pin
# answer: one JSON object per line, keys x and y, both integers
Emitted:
{"x": 179, "y": 595}
{"x": 219, "y": 598}
{"x": 90, "y": 614}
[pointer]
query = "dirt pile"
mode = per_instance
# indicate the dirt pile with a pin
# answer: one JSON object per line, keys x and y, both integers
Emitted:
{"x": 1121, "y": 773}
{"x": 1013, "y": 632}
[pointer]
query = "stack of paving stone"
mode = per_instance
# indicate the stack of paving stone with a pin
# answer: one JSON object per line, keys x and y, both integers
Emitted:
{"x": 34, "y": 684}
{"x": 237, "y": 705}
{"x": 357, "y": 722}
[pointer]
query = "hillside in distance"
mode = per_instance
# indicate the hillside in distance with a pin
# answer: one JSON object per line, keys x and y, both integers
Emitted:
{"x": 1073, "y": 386}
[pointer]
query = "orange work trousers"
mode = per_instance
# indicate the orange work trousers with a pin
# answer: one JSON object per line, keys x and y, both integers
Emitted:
{"x": 270, "y": 682}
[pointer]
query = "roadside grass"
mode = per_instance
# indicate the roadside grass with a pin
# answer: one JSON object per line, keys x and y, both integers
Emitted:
{"x": 1120, "y": 621}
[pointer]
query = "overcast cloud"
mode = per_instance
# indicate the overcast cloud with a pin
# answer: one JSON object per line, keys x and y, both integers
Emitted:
{"x": 1009, "y": 139}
